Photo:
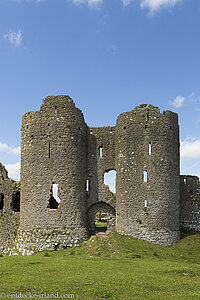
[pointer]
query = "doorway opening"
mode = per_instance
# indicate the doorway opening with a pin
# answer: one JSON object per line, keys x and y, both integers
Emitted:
{"x": 101, "y": 221}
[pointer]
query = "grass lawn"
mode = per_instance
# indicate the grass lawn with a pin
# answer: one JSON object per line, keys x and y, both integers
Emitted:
{"x": 108, "y": 266}
{"x": 101, "y": 224}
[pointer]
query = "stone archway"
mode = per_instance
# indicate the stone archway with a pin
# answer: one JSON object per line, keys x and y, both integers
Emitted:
{"x": 96, "y": 207}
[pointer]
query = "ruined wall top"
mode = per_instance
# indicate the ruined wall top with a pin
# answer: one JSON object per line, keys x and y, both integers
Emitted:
{"x": 52, "y": 106}
{"x": 3, "y": 172}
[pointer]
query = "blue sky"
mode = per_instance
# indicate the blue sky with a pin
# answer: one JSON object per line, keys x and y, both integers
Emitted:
{"x": 108, "y": 55}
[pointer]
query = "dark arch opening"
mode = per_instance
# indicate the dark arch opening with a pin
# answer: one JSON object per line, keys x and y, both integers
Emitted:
{"x": 15, "y": 204}
{"x": 1, "y": 201}
{"x": 102, "y": 213}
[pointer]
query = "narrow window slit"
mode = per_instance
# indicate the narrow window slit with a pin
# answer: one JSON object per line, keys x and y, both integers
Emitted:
{"x": 56, "y": 111}
{"x": 1, "y": 201}
{"x": 87, "y": 185}
{"x": 49, "y": 150}
{"x": 100, "y": 152}
{"x": 145, "y": 203}
{"x": 145, "y": 176}
{"x": 149, "y": 148}
{"x": 147, "y": 116}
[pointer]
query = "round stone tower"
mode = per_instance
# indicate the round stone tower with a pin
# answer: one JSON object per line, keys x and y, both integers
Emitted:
{"x": 148, "y": 184}
{"x": 53, "y": 176}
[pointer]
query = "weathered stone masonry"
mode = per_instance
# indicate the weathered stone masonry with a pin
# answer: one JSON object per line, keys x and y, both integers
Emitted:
{"x": 9, "y": 209}
{"x": 58, "y": 149}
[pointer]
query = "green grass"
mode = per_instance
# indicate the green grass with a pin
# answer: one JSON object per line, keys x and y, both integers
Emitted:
{"x": 101, "y": 224}
{"x": 109, "y": 266}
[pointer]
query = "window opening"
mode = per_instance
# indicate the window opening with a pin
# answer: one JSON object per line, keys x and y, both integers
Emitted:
{"x": 49, "y": 150}
{"x": 147, "y": 115}
{"x": 185, "y": 180}
{"x": 124, "y": 127}
{"x": 110, "y": 180}
{"x": 1, "y": 201}
{"x": 87, "y": 185}
{"x": 15, "y": 204}
{"x": 54, "y": 200}
{"x": 149, "y": 148}
{"x": 56, "y": 111}
{"x": 91, "y": 132}
{"x": 145, "y": 176}
{"x": 111, "y": 131}
{"x": 100, "y": 152}
{"x": 145, "y": 203}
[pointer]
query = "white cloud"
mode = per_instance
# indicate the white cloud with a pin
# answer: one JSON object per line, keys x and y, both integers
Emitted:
{"x": 178, "y": 101}
{"x": 91, "y": 3}
{"x": 13, "y": 171}
{"x": 15, "y": 38}
{"x": 9, "y": 149}
{"x": 155, "y": 5}
{"x": 126, "y": 2}
{"x": 190, "y": 148}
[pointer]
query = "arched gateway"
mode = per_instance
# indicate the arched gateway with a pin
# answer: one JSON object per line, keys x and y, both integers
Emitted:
{"x": 101, "y": 206}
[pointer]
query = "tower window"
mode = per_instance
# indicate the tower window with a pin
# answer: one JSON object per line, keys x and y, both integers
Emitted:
{"x": 49, "y": 150}
{"x": 15, "y": 204}
{"x": 54, "y": 200}
{"x": 56, "y": 111}
{"x": 149, "y": 148}
{"x": 87, "y": 185}
{"x": 1, "y": 201}
{"x": 145, "y": 176}
{"x": 147, "y": 116}
{"x": 100, "y": 152}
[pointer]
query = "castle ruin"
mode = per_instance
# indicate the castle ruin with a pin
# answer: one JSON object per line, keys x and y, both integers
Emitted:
{"x": 59, "y": 150}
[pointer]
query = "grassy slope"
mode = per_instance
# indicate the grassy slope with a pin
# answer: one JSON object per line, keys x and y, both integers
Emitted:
{"x": 109, "y": 266}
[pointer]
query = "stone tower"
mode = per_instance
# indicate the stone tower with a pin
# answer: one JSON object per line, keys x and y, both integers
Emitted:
{"x": 53, "y": 176}
{"x": 148, "y": 181}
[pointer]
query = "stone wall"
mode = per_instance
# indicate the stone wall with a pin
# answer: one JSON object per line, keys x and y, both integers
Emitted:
{"x": 9, "y": 209}
{"x": 147, "y": 144}
{"x": 53, "y": 152}
{"x": 190, "y": 202}
{"x": 59, "y": 151}
{"x": 101, "y": 159}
